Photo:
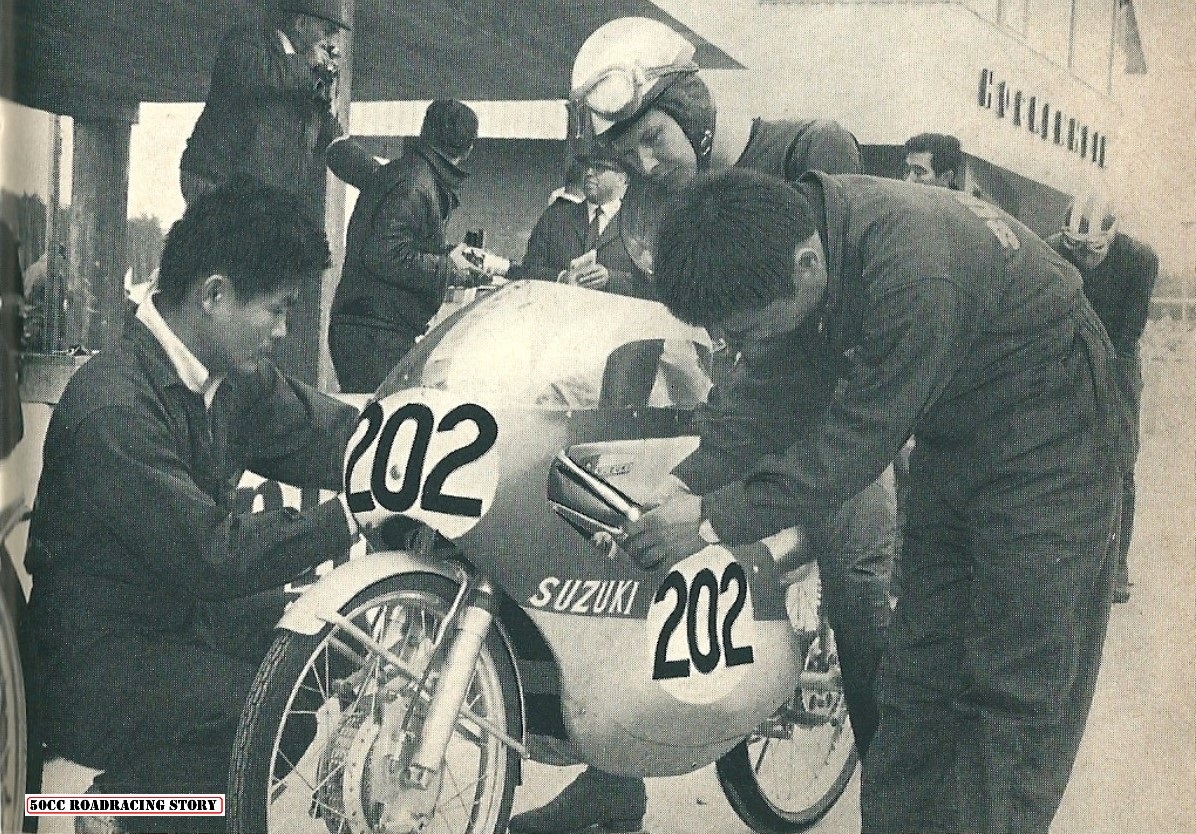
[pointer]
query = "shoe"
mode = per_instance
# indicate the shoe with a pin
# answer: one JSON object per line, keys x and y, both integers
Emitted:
{"x": 98, "y": 824}
{"x": 593, "y": 801}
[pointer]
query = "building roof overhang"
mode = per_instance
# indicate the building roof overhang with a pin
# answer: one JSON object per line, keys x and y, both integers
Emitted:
{"x": 82, "y": 57}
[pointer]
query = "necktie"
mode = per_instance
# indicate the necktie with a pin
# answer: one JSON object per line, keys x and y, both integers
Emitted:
{"x": 594, "y": 229}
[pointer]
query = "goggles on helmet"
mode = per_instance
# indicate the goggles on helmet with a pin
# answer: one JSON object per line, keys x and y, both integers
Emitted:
{"x": 1092, "y": 244}
{"x": 618, "y": 93}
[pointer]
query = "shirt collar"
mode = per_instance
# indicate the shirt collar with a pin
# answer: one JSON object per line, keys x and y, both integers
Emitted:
{"x": 287, "y": 46}
{"x": 568, "y": 196}
{"x": 609, "y": 210}
{"x": 190, "y": 370}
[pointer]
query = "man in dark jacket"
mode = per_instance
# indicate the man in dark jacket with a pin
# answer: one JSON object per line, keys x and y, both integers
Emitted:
{"x": 398, "y": 264}
{"x": 947, "y": 319}
{"x": 1119, "y": 275}
{"x": 567, "y": 230}
{"x": 269, "y": 114}
{"x": 137, "y": 552}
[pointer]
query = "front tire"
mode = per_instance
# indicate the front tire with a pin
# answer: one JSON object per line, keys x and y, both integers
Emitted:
{"x": 312, "y": 753}
{"x": 789, "y": 773}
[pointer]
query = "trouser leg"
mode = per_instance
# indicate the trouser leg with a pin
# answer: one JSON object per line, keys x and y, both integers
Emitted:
{"x": 156, "y": 717}
{"x": 907, "y": 780}
{"x": 1128, "y": 375}
{"x": 855, "y": 567}
{"x": 995, "y": 647}
{"x": 364, "y": 356}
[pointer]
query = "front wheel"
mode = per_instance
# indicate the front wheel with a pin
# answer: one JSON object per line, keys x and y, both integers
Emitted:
{"x": 329, "y": 727}
{"x": 789, "y": 773}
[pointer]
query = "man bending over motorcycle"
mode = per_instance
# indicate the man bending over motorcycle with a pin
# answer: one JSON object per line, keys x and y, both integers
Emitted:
{"x": 153, "y": 598}
{"x": 949, "y": 320}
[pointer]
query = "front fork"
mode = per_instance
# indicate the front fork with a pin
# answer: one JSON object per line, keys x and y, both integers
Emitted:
{"x": 473, "y": 625}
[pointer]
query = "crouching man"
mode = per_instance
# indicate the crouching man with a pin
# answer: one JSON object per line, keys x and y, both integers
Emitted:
{"x": 139, "y": 559}
{"x": 948, "y": 320}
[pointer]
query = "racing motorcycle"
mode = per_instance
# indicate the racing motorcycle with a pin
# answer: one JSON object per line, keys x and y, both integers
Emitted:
{"x": 497, "y": 619}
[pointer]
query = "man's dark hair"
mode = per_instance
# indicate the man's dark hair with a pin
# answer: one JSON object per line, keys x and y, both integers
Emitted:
{"x": 727, "y": 244}
{"x": 946, "y": 154}
{"x": 260, "y": 237}
{"x": 450, "y": 126}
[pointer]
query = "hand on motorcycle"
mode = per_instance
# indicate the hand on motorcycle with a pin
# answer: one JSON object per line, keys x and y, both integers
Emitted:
{"x": 667, "y": 533}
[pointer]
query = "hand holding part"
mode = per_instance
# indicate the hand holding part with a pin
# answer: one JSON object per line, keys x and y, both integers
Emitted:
{"x": 667, "y": 533}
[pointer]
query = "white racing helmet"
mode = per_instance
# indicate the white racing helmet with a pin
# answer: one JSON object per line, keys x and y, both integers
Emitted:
{"x": 1090, "y": 222}
{"x": 619, "y": 67}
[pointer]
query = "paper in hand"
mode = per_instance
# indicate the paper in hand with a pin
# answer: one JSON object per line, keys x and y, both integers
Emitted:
{"x": 581, "y": 261}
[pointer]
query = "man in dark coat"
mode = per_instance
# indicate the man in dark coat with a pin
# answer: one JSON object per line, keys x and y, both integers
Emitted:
{"x": 568, "y": 230}
{"x": 1119, "y": 275}
{"x": 153, "y": 598}
{"x": 269, "y": 114}
{"x": 946, "y": 319}
{"x": 398, "y": 264}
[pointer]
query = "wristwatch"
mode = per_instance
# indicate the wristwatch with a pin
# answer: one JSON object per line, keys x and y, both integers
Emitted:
{"x": 706, "y": 532}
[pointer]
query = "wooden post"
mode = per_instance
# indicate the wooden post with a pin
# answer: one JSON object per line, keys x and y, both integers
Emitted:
{"x": 335, "y": 220}
{"x": 99, "y": 242}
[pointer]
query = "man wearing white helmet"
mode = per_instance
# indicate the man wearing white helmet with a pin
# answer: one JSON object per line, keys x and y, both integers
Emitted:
{"x": 1119, "y": 274}
{"x": 636, "y": 88}
{"x": 636, "y": 92}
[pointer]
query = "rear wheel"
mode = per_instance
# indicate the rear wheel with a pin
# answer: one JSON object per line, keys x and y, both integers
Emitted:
{"x": 326, "y": 736}
{"x": 790, "y": 772}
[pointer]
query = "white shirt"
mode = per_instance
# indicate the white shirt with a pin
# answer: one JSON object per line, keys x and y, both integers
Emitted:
{"x": 287, "y": 46}
{"x": 196, "y": 377}
{"x": 191, "y": 371}
{"x": 609, "y": 210}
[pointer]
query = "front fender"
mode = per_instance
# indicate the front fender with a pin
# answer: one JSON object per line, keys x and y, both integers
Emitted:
{"x": 307, "y": 614}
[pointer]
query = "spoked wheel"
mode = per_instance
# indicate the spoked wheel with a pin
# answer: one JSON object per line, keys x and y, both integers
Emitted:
{"x": 12, "y": 721}
{"x": 792, "y": 769}
{"x": 329, "y": 729}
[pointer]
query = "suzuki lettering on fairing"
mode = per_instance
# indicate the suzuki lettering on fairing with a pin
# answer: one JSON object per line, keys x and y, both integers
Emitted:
{"x": 609, "y": 597}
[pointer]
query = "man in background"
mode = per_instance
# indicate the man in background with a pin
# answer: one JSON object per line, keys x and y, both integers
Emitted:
{"x": 398, "y": 264}
{"x": 269, "y": 113}
{"x": 567, "y": 231}
{"x": 1119, "y": 275}
{"x": 934, "y": 159}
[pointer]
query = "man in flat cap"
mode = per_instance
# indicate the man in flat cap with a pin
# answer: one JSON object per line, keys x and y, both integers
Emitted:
{"x": 269, "y": 112}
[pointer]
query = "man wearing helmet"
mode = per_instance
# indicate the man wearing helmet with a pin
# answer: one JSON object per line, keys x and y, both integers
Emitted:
{"x": 1119, "y": 274}
{"x": 636, "y": 92}
{"x": 636, "y": 89}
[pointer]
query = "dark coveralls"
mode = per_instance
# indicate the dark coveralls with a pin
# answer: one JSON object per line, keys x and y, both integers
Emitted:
{"x": 147, "y": 622}
{"x": 1119, "y": 289}
{"x": 396, "y": 269}
{"x": 857, "y": 541}
{"x": 762, "y": 406}
{"x": 952, "y": 320}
